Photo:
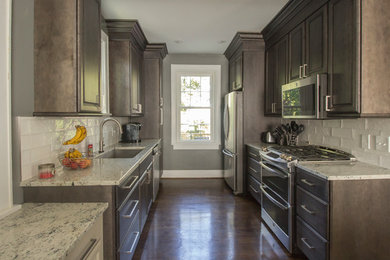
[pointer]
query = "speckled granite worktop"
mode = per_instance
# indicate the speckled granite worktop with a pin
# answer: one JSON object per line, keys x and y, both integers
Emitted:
{"x": 345, "y": 170}
{"x": 46, "y": 230}
{"x": 339, "y": 170}
{"x": 105, "y": 171}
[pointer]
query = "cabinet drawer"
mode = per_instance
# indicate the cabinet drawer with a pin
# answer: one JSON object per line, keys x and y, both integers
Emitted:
{"x": 145, "y": 164}
{"x": 254, "y": 168}
{"x": 127, "y": 249}
{"x": 313, "y": 184}
{"x": 90, "y": 243}
{"x": 311, "y": 244}
{"x": 313, "y": 211}
{"x": 253, "y": 153}
{"x": 254, "y": 188}
{"x": 127, "y": 213}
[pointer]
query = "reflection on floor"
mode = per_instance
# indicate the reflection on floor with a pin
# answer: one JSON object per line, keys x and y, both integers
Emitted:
{"x": 201, "y": 219}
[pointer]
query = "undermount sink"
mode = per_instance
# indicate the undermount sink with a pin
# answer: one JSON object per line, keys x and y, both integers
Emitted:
{"x": 120, "y": 153}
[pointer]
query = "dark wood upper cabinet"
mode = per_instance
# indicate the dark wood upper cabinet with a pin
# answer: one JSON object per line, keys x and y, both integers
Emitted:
{"x": 316, "y": 44}
{"x": 342, "y": 81}
{"x": 238, "y": 72}
{"x": 232, "y": 75}
{"x": 67, "y": 66}
{"x": 276, "y": 76}
{"x": 296, "y": 50}
{"x": 235, "y": 72}
{"x": 90, "y": 59}
{"x": 127, "y": 45}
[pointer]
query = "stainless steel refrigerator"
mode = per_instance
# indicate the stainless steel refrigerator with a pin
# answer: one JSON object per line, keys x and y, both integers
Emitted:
{"x": 233, "y": 142}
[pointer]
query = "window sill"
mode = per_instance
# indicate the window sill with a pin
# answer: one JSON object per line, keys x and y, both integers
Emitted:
{"x": 195, "y": 146}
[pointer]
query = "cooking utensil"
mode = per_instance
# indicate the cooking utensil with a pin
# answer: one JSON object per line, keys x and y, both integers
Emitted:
{"x": 294, "y": 126}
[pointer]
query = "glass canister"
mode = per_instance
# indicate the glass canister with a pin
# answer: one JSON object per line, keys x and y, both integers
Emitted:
{"x": 46, "y": 170}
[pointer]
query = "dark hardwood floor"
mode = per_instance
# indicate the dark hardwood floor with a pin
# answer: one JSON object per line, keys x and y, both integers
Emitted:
{"x": 201, "y": 219}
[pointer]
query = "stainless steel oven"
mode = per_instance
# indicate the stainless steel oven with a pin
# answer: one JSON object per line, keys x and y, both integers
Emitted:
{"x": 305, "y": 98}
{"x": 277, "y": 197}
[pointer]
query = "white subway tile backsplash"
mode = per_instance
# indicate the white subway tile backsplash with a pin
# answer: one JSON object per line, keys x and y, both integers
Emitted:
{"x": 353, "y": 123}
{"x": 341, "y": 132}
{"x": 367, "y": 139}
{"x": 41, "y": 139}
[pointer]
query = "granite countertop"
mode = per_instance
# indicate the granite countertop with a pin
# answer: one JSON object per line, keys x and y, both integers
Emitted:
{"x": 345, "y": 170}
{"x": 46, "y": 230}
{"x": 104, "y": 171}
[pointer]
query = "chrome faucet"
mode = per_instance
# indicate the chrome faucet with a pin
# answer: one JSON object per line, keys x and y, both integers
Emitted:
{"x": 101, "y": 142}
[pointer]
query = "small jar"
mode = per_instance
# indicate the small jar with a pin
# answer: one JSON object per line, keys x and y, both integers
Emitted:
{"x": 46, "y": 170}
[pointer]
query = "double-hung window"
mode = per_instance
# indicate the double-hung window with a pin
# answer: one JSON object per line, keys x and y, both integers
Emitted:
{"x": 196, "y": 106}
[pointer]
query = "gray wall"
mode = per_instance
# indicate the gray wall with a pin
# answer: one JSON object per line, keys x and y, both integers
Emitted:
{"x": 190, "y": 159}
{"x": 22, "y": 88}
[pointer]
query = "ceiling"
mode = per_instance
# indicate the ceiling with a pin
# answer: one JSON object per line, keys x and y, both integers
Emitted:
{"x": 194, "y": 26}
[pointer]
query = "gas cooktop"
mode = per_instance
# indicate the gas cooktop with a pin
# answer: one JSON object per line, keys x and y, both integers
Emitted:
{"x": 311, "y": 153}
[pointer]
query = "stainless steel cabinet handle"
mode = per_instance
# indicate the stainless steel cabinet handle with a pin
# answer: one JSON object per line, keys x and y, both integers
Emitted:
{"x": 327, "y": 103}
{"x": 131, "y": 184}
{"x": 253, "y": 155}
{"x": 132, "y": 211}
{"x": 281, "y": 175}
{"x": 300, "y": 71}
{"x": 277, "y": 203}
{"x": 253, "y": 169}
{"x": 90, "y": 248}
{"x": 305, "y": 70}
{"x": 254, "y": 190}
{"x": 307, "y": 210}
{"x": 227, "y": 153}
{"x": 307, "y": 182}
{"x": 304, "y": 240}
{"x": 129, "y": 252}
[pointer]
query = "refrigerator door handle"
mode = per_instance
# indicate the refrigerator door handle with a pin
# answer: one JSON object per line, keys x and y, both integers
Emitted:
{"x": 226, "y": 122}
{"x": 227, "y": 153}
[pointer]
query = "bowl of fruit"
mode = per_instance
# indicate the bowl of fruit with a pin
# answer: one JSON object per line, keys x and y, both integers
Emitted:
{"x": 75, "y": 160}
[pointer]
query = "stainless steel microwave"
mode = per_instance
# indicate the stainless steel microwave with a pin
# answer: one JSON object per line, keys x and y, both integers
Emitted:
{"x": 305, "y": 98}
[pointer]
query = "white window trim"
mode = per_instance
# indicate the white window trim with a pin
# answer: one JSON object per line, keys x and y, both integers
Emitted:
{"x": 176, "y": 71}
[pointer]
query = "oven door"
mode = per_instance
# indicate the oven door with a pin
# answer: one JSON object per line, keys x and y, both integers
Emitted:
{"x": 276, "y": 193}
{"x": 301, "y": 99}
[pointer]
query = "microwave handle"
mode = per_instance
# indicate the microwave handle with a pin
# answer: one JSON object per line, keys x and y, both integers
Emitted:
{"x": 327, "y": 103}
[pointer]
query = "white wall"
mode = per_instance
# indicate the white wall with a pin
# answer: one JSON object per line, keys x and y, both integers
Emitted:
{"x": 6, "y": 202}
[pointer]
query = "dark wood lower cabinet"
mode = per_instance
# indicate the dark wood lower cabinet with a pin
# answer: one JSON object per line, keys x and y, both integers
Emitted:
{"x": 352, "y": 222}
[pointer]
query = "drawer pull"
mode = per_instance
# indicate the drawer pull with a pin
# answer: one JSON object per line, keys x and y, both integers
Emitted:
{"x": 307, "y": 210}
{"x": 132, "y": 211}
{"x": 129, "y": 186}
{"x": 307, "y": 182}
{"x": 279, "y": 174}
{"x": 90, "y": 248}
{"x": 304, "y": 240}
{"x": 254, "y": 190}
{"x": 253, "y": 155}
{"x": 129, "y": 252}
{"x": 250, "y": 168}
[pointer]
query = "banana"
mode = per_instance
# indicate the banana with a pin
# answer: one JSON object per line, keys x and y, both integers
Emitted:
{"x": 73, "y": 154}
{"x": 81, "y": 133}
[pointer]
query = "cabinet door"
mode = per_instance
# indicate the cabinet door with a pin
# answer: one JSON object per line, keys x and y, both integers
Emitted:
{"x": 90, "y": 50}
{"x": 316, "y": 42}
{"x": 270, "y": 79}
{"x": 135, "y": 81}
{"x": 119, "y": 78}
{"x": 281, "y": 74}
{"x": 238, "y": 72}
{"x": 343, "y": 84}
{"x": 296, "y": 52}
{"x": 276, "y": 76}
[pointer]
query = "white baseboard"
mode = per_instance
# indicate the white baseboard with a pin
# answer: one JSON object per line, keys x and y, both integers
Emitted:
{"x": 192, "y": 174}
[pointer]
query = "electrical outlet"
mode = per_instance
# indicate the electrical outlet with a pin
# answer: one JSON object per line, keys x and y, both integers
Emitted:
{"x": 382, "y": 143}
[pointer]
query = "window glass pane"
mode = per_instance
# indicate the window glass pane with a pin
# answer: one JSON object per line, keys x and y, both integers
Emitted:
{"x": 205, "y": 84}
{"x": 186, "y": 98}
{"x": 195, "y": 124}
